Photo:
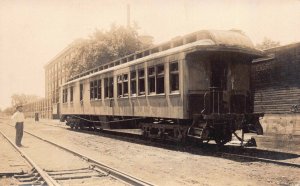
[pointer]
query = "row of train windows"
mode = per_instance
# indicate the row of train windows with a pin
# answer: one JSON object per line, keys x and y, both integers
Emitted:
{"x": 156, "y": 83}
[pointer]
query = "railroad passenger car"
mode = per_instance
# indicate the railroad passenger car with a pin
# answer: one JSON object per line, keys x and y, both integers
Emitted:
{"x": 196, "y": 86}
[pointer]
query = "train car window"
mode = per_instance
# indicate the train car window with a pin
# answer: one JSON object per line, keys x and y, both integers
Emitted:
{"x": 160, "y": 79}
{"x": 141, "y": 82}
{"x": 81, "y": 92}
{"x": 99, "y": 87}
{"x": 166, "y": 46}
{"x": 146, "y": 53}
{"x": 95, "y": 89}
{"x": 111, "y": 87}
{"x": 125, "y": 85}
{"x": 131, "y": 58}
{"x": 106, "y": 88}
{"x": 154, "y": 50}
{"x": 151, "y": 80}
{"x": 139, "y": 55}
{"x": 122, "y": 87}
{"x": 119, "y": 85}
{"x": 178, "y": 43}
{"x": 91, "y": 90}
{"x": 219, "y": 74}
{"x": 133, "y": 83}
{"x": 71, "y": 94}
{"x": 174, "y": 76}
{"x": 65, "y": 95}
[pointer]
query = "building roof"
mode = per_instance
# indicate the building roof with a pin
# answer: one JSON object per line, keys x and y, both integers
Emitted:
{"x": 271, "y": 52}
{"x": 284, "y": 47}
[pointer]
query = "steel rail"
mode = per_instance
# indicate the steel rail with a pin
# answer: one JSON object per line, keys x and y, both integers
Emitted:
{"x": 252, "y": 158}
{"x": 115, "y": 173}
{"x": 260, "y": 159}
{"x": 47, "y": 178}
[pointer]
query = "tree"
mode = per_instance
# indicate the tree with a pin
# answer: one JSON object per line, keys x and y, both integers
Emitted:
{"x": 22, "y": 99}
{"x": 105, "y": 46}
{"x": 267, "y": 43}
{"x": 9, "y": 110}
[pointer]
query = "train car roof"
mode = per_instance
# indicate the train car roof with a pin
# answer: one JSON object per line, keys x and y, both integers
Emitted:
{"x": 208, "y": 40}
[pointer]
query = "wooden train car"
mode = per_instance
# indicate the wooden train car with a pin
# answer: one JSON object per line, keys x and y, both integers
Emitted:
{"x": 196, "y": 86}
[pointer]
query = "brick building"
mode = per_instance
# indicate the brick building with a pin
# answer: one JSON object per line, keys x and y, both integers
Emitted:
{"x": 276, "y": 80}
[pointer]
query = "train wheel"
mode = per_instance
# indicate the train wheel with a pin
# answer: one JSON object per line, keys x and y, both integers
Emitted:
{"x": 221, "y": 142}
{"x": 205, "y": 141}
{"x": 81, "y": 127}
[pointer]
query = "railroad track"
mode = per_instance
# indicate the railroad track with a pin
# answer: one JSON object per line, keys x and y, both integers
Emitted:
{"x": 213, "y": 150}
{"x": 95, "y": 169}
{"x": 258, "y": 159}
{"x": 36, "y": 176}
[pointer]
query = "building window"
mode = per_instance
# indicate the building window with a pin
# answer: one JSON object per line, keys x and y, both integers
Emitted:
{"x": 71, "y": 94}
{"x": 160, "y": 79}
{"x": 133, "y": 83}
{"x": 174, "y": 77}
{"x": 81, "y": 92}
{"x": 141, "y": 82}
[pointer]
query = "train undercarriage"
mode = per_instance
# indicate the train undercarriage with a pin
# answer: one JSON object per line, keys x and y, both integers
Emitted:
{"x": 204, "y": 128}
{"x": 201, "y": 129}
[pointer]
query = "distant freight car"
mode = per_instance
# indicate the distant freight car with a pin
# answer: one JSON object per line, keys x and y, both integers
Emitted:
{"x": 196, "y": 86}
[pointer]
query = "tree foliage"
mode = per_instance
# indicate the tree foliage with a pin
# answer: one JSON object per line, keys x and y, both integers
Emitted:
{"x": 22, "y": 99}
{"x": 104, "y": 46}
{"x": 9, "y": 110}
{"x": 19, "y": 99}
{"x": 267, "y": 43}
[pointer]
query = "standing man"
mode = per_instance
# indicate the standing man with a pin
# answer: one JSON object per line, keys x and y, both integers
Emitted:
{"x": 18, "y": 118}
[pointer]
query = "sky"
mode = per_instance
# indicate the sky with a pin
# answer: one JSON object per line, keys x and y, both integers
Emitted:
{"x": 32, "y": 32}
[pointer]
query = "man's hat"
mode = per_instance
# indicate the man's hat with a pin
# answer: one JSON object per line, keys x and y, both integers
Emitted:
{"x": 19, "y": 106}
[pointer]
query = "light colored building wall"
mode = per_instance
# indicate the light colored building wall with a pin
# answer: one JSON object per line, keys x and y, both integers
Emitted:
{"x": 56, "y": 74}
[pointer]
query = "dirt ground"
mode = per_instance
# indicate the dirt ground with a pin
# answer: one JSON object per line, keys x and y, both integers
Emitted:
{"x": 162, "y": 166}
{"x": 10, "y": 162}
